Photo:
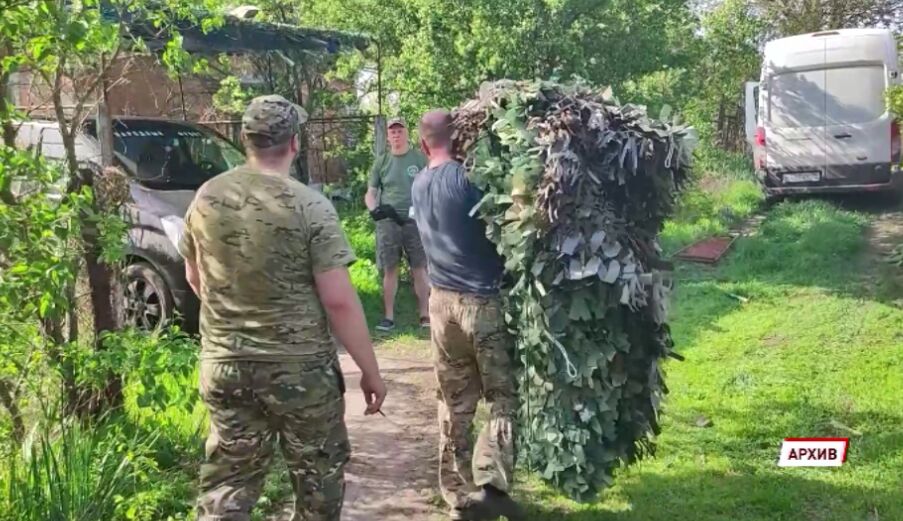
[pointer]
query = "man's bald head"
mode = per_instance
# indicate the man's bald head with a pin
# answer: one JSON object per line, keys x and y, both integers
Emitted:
{"x": 436, "y": 129}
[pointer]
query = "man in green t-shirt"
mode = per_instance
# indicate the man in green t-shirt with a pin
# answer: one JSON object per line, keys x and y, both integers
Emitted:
{"x": 268, "y": 259}
{"x": 389, "y": 201}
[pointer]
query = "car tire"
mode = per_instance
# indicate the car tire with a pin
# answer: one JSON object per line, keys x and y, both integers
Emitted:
{"x": 148, "y": 300}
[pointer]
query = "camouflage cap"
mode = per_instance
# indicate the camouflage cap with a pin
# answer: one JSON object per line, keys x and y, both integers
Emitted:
{"x": 271, "y": 120}
{"x": 396, "y": 121}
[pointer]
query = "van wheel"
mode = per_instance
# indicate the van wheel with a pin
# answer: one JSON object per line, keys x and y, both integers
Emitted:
{"x": 148, "y": 300}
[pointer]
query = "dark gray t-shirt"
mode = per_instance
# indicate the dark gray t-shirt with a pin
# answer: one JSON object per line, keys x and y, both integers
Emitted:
{"x": 460, "y": 256}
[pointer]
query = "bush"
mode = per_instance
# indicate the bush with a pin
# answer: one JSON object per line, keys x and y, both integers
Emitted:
{"x": 361, "y": 232}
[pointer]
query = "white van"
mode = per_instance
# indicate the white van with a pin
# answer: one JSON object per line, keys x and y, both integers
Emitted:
{"x": 818, "y": 120}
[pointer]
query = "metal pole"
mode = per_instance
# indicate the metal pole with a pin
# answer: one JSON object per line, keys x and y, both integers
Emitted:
{"x": 104, "y": 117}
{"x": 182, "y": 98}
{"x": 379, "y": 77}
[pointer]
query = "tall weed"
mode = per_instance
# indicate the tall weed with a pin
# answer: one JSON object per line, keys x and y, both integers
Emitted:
{"x": 74, "y": 472}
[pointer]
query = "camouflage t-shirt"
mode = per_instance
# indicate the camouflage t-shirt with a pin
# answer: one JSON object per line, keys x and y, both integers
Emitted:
{"x": 258, "y": 239}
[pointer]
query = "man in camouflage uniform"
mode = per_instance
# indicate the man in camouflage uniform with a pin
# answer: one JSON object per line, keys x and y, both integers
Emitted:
{"x": 268, "y": 259}
{"x": 472, "y": 349}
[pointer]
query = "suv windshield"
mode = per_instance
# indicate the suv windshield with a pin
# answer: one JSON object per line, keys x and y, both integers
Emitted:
{"x": 170, "y": 155}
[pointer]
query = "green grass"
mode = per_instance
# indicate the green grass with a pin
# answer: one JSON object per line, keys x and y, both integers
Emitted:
{"x": 782, "y": 340}
{"x": 710, "y": 207}
{"x": 722, "y": 192}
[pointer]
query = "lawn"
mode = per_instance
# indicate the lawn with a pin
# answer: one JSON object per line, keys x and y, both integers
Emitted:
{"x": 782, "y": 340}
{"x": 792, "y": 335}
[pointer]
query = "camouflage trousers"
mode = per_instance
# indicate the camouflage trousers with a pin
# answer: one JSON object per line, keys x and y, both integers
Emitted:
{"x": 472, "y": 351}
{"x": 253, "y": 405}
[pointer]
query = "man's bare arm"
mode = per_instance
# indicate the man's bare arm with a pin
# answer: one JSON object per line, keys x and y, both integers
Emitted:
{"x": 346, "y": 316}
{"x": 193, "y": 276}
{"x": 370, "y": 197}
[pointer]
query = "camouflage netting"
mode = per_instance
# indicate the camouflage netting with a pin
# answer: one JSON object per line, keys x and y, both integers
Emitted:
{"x": 577, "y": 188}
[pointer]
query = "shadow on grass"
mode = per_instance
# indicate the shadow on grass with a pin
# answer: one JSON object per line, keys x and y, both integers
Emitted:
{"x": 809, "y": 244}
{"x": 778, "y": 495}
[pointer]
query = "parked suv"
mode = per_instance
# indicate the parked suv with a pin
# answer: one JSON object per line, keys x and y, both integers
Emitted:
{"x": 166, "y": 162}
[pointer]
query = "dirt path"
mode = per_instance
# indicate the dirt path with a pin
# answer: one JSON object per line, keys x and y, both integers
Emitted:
{"x": 392, "y": 472}
{"x": 884, "y": 234}
{"x": 886, "y": 231}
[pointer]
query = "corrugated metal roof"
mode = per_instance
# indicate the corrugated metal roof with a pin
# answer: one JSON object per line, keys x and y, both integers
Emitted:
{"x": 240, "y": 36}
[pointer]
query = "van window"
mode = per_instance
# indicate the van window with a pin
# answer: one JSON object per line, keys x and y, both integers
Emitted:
{"x": 797, "y": 99}
{"x": 837, "y": 96}
{"x": 855, "y": 94}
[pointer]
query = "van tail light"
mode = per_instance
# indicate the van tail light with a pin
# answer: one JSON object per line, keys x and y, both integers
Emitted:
{"x": 760, "y": 137}
{"x": 895, "y": 144}
{"x": 760, "y": 148}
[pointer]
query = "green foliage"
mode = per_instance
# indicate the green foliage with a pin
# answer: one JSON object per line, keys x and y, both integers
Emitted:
{"x": 361, "y": 232}
{"x": 365, "y": 276}
{"x": 435, "y": 53}
{"x": 723, "y": 192}
{"x": 36, "y": 233}
{"x": 231, "y": 98}
{"x": 790, "y": 18}
{"x": 728, "y": 56}
{"x": 153, "y": 365}
{"x": 38, "y": 262}
{"x": 656, "y": 90}
{"x": 709, "y": 210}
{"x": 895, "y": 100}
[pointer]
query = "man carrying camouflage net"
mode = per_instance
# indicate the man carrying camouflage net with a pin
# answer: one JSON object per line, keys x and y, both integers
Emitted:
{"x": 471, "y": 345}
{"x": 268, "y": 259}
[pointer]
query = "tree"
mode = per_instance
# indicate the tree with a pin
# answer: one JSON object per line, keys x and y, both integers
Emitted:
{"x": 39, "y": 265}
{"x": 806, "y": 16}
{"x": 437, "y": 53}
{"x": 729, "y": 55}
{"x": 73, "y": 47}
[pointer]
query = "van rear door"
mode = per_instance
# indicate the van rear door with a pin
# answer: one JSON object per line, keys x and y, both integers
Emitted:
{"x": 795, "y": 130}
{"x": 857, "y": 133}
{"x": 751, "y": 111}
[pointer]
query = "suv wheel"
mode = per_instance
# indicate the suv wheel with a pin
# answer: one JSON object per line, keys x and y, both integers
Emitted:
{"x": 148, "y": 301}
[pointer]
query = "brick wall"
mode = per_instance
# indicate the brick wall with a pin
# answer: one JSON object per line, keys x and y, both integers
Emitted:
{"x": 144, "y": 89}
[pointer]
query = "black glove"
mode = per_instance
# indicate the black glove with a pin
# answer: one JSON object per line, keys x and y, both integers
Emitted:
{"x": 379, "y": 213}
{"x": 392, "y": 214}
{"x": 384, "y": 211}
